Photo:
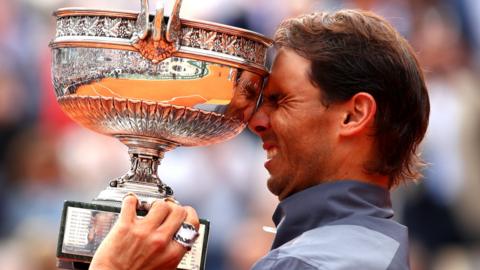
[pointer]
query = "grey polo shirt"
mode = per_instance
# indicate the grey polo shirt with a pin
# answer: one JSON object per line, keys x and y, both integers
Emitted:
{"x": 337, "y": 225}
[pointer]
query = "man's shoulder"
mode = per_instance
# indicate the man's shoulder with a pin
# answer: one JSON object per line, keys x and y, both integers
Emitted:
{"x": 276, "y": 262}
{"x": 336, "y": 247}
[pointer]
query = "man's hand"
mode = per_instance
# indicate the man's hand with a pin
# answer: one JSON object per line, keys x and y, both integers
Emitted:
{"x": 144, "y": 243}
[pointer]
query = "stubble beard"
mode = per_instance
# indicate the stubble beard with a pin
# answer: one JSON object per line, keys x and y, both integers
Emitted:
{"x": 301, "y": 177}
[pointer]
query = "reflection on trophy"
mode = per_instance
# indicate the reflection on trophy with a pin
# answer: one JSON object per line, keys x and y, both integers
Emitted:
{"x": 154, "y": 83}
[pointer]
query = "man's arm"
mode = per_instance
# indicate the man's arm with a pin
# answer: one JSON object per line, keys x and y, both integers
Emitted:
{"x": 144, "y": 243}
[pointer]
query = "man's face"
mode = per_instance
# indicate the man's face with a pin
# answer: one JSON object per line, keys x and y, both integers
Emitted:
{"x": 297, "y": 130}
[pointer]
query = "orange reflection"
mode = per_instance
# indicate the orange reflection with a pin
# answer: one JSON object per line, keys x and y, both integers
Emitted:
{"x": 213, "y": 88}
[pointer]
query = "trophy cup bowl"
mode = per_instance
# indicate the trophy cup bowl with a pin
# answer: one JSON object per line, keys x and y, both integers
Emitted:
{"x": 154, "y": 83}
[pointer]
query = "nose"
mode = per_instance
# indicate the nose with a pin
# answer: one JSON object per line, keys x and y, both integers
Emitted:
{"x": 260, "y": 121}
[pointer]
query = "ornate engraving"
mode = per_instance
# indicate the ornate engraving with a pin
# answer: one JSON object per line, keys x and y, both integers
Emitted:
{"x": 206, "y": 39}
{"x": 182, "y": 125}
{"x": 249, "y": 50}
{"x": 217, "y": 43}
{"x": 228, "y": 44}
{"x": 237, "y": 47}
{"x": 111, "y": 27}
{"x": 224, "y": 43}
{"x": 187, "y": 37}
{"x": 156, "y": 51}
{"x": 90, "y": 27}
{"x": 95, "y": 26}
{"x": 60, "y": 28}
{"x": 143, "y": 169}
{"x": 260, "y": 53}
{"x": 124, "y": 28}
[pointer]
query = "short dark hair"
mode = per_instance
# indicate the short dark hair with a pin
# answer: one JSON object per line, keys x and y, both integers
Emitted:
{"x": 354, "y": 51}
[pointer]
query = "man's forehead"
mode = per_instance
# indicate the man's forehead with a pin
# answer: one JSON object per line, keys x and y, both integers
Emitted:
{"x": 289, "y": 68}
{"x": 287, "y": 61}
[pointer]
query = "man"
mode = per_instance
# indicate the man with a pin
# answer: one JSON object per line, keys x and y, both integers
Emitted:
{"x": 342, "y": 115}
{"x": 100, "y": 225}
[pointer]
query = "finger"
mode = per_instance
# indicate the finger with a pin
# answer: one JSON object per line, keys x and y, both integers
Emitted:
{"x": 188, "y": 232}
{"x": 192, "y": 217}
{"x": 173, "y": 221}
{"x": 128, "y": 212}
{"x": 159, "y": 211}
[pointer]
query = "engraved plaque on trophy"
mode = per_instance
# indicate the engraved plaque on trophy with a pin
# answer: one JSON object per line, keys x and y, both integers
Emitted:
{"x": 155, "y": 83}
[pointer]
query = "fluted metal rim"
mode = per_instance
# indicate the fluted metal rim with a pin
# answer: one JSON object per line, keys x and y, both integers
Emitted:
{"x": 255, "y": 62}
{"x": 78, "y": 11}
{"x": 192, "y": 127}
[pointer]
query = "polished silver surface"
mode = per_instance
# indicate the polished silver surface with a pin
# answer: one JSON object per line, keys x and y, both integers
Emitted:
{"x": 155, "y": 83}
{"x": 85, "y": 27}
{"x": 123, "y": 118}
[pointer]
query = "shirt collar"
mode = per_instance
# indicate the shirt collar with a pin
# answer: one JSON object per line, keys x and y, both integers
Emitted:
{"x": 328, "y": 202}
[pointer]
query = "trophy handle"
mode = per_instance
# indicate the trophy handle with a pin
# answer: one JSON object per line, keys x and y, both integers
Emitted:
{"x": 151, "y": 39}
{"x": 158, "y": 23}
{"x": 174, "y": 24}
{"x": 142, "y": 25}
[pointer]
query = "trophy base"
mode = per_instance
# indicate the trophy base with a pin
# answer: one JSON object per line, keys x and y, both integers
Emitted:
{"x": 85, "y": 225}
{"x": 113, "y": 196}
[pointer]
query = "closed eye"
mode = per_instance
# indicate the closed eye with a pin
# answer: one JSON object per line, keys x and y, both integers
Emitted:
{"x": 251, "y": 90}
{"x": 272, "y": 99}
{"x": 248, "y": 88}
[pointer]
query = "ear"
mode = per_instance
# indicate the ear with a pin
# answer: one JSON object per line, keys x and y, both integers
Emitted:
{"x": 359, "y": 114}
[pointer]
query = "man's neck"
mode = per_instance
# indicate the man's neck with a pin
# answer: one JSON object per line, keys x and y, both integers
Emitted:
{"x": 379, "y": 180}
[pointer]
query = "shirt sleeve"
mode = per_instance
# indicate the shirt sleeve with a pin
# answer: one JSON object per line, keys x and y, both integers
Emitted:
{"x": 284, "y": 263}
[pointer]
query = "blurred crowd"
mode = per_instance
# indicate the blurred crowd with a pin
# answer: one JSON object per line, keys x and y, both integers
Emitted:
{"x": 45, "y": 158}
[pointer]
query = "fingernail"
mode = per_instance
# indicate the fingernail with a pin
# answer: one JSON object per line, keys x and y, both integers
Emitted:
{"x": 134, "y": 195}
{"x": 130, "y": 194}
{"x": 171, "y": 199}
{"x": 149, "y": 203}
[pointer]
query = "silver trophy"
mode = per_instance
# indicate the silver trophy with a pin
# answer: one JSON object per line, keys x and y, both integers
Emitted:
{"x": 155, "y": 83}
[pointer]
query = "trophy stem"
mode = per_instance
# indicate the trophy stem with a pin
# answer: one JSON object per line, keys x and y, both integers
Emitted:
{"x": 143, "y": 170}
{"x": 145, "y": 156}
{"x": 142, "y": 179}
